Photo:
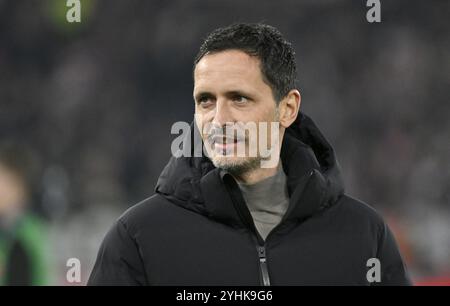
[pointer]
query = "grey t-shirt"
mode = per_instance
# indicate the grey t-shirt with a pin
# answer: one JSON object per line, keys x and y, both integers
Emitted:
{"x": 267, "y": 201}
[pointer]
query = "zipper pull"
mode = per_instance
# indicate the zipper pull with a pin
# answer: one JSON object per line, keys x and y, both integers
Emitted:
{"x": 263, "y": 265}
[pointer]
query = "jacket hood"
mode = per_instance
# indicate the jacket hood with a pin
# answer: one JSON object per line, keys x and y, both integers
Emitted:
{"x": 313, "y": 177}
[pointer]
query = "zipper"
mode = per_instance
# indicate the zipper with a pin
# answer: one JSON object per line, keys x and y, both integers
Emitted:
{"x": 263, "y": 265}
{"x": 262, "y": 258}
{"x": 260, "y": 243}
{"x": 261, "y": 247}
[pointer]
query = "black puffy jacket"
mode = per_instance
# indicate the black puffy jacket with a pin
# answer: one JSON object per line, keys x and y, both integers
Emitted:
{"x": 197, "y": 230}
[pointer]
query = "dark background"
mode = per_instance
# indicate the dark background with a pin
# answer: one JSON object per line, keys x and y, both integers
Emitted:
{"x": 95, "y": 101}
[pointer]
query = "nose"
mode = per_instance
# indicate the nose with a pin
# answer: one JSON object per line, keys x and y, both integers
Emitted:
{"x": 222, "y": 114}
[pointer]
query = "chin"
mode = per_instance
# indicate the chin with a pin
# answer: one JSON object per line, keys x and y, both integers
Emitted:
{"x": 236, "y": 165}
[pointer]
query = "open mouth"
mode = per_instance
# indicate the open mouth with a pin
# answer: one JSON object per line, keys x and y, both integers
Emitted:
{"x": 224, "y": 145}
{"x": 224, "y": 139}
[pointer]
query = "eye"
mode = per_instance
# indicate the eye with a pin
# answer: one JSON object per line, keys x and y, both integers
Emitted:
{"x": 205, "y": 101}
{"x": 240, "y": 99}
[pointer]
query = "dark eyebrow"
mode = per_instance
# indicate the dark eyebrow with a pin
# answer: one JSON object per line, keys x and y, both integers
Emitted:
{"x": 234, "y": 93}
{"x": 228, "y": 94}
{"x": 203, "y": 94}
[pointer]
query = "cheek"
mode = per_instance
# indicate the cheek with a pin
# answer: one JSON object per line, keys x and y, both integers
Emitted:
{"x": 260, "y": 111}
{"x": 204, "y": 124}
{"x": 267, "y": 130}
{"x": 268, "y": 114}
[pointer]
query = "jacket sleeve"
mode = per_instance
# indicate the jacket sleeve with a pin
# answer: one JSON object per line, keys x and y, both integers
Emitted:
{"x": 118, "y": 261}
{"x": 393, "y": 269}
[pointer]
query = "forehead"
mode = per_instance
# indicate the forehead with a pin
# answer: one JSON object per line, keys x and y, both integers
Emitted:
{"x": 228, "y": 68}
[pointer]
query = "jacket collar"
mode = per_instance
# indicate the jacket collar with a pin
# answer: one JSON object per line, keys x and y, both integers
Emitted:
{"x": 313, "y": 178}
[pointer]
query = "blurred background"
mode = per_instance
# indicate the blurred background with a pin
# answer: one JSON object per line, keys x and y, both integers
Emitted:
{"x": 86, "y": 110}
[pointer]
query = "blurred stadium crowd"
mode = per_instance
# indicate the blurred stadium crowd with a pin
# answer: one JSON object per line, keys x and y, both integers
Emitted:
{"x": 88, "y": 107}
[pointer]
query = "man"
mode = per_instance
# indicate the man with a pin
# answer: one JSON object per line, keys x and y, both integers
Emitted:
{"x": 228, "y": 219}
{"x": 23, "y": 243}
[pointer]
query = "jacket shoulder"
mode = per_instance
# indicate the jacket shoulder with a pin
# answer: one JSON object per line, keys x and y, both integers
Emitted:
{"x": 145, "y": 212}
{"x": 360, "y": 208}
{"x": 358, "y": 214}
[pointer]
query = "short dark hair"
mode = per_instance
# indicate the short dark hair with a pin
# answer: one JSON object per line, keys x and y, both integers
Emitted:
{"x": 263, "y": 41}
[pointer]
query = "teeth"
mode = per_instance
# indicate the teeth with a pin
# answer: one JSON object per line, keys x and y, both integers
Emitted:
{"x": 222, "y": 140}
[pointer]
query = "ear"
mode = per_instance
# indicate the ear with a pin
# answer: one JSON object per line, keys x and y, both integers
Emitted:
{"x": 289, "y": 108}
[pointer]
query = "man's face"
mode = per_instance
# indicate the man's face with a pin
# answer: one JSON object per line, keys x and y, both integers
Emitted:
{"x": 229, "y": 91}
